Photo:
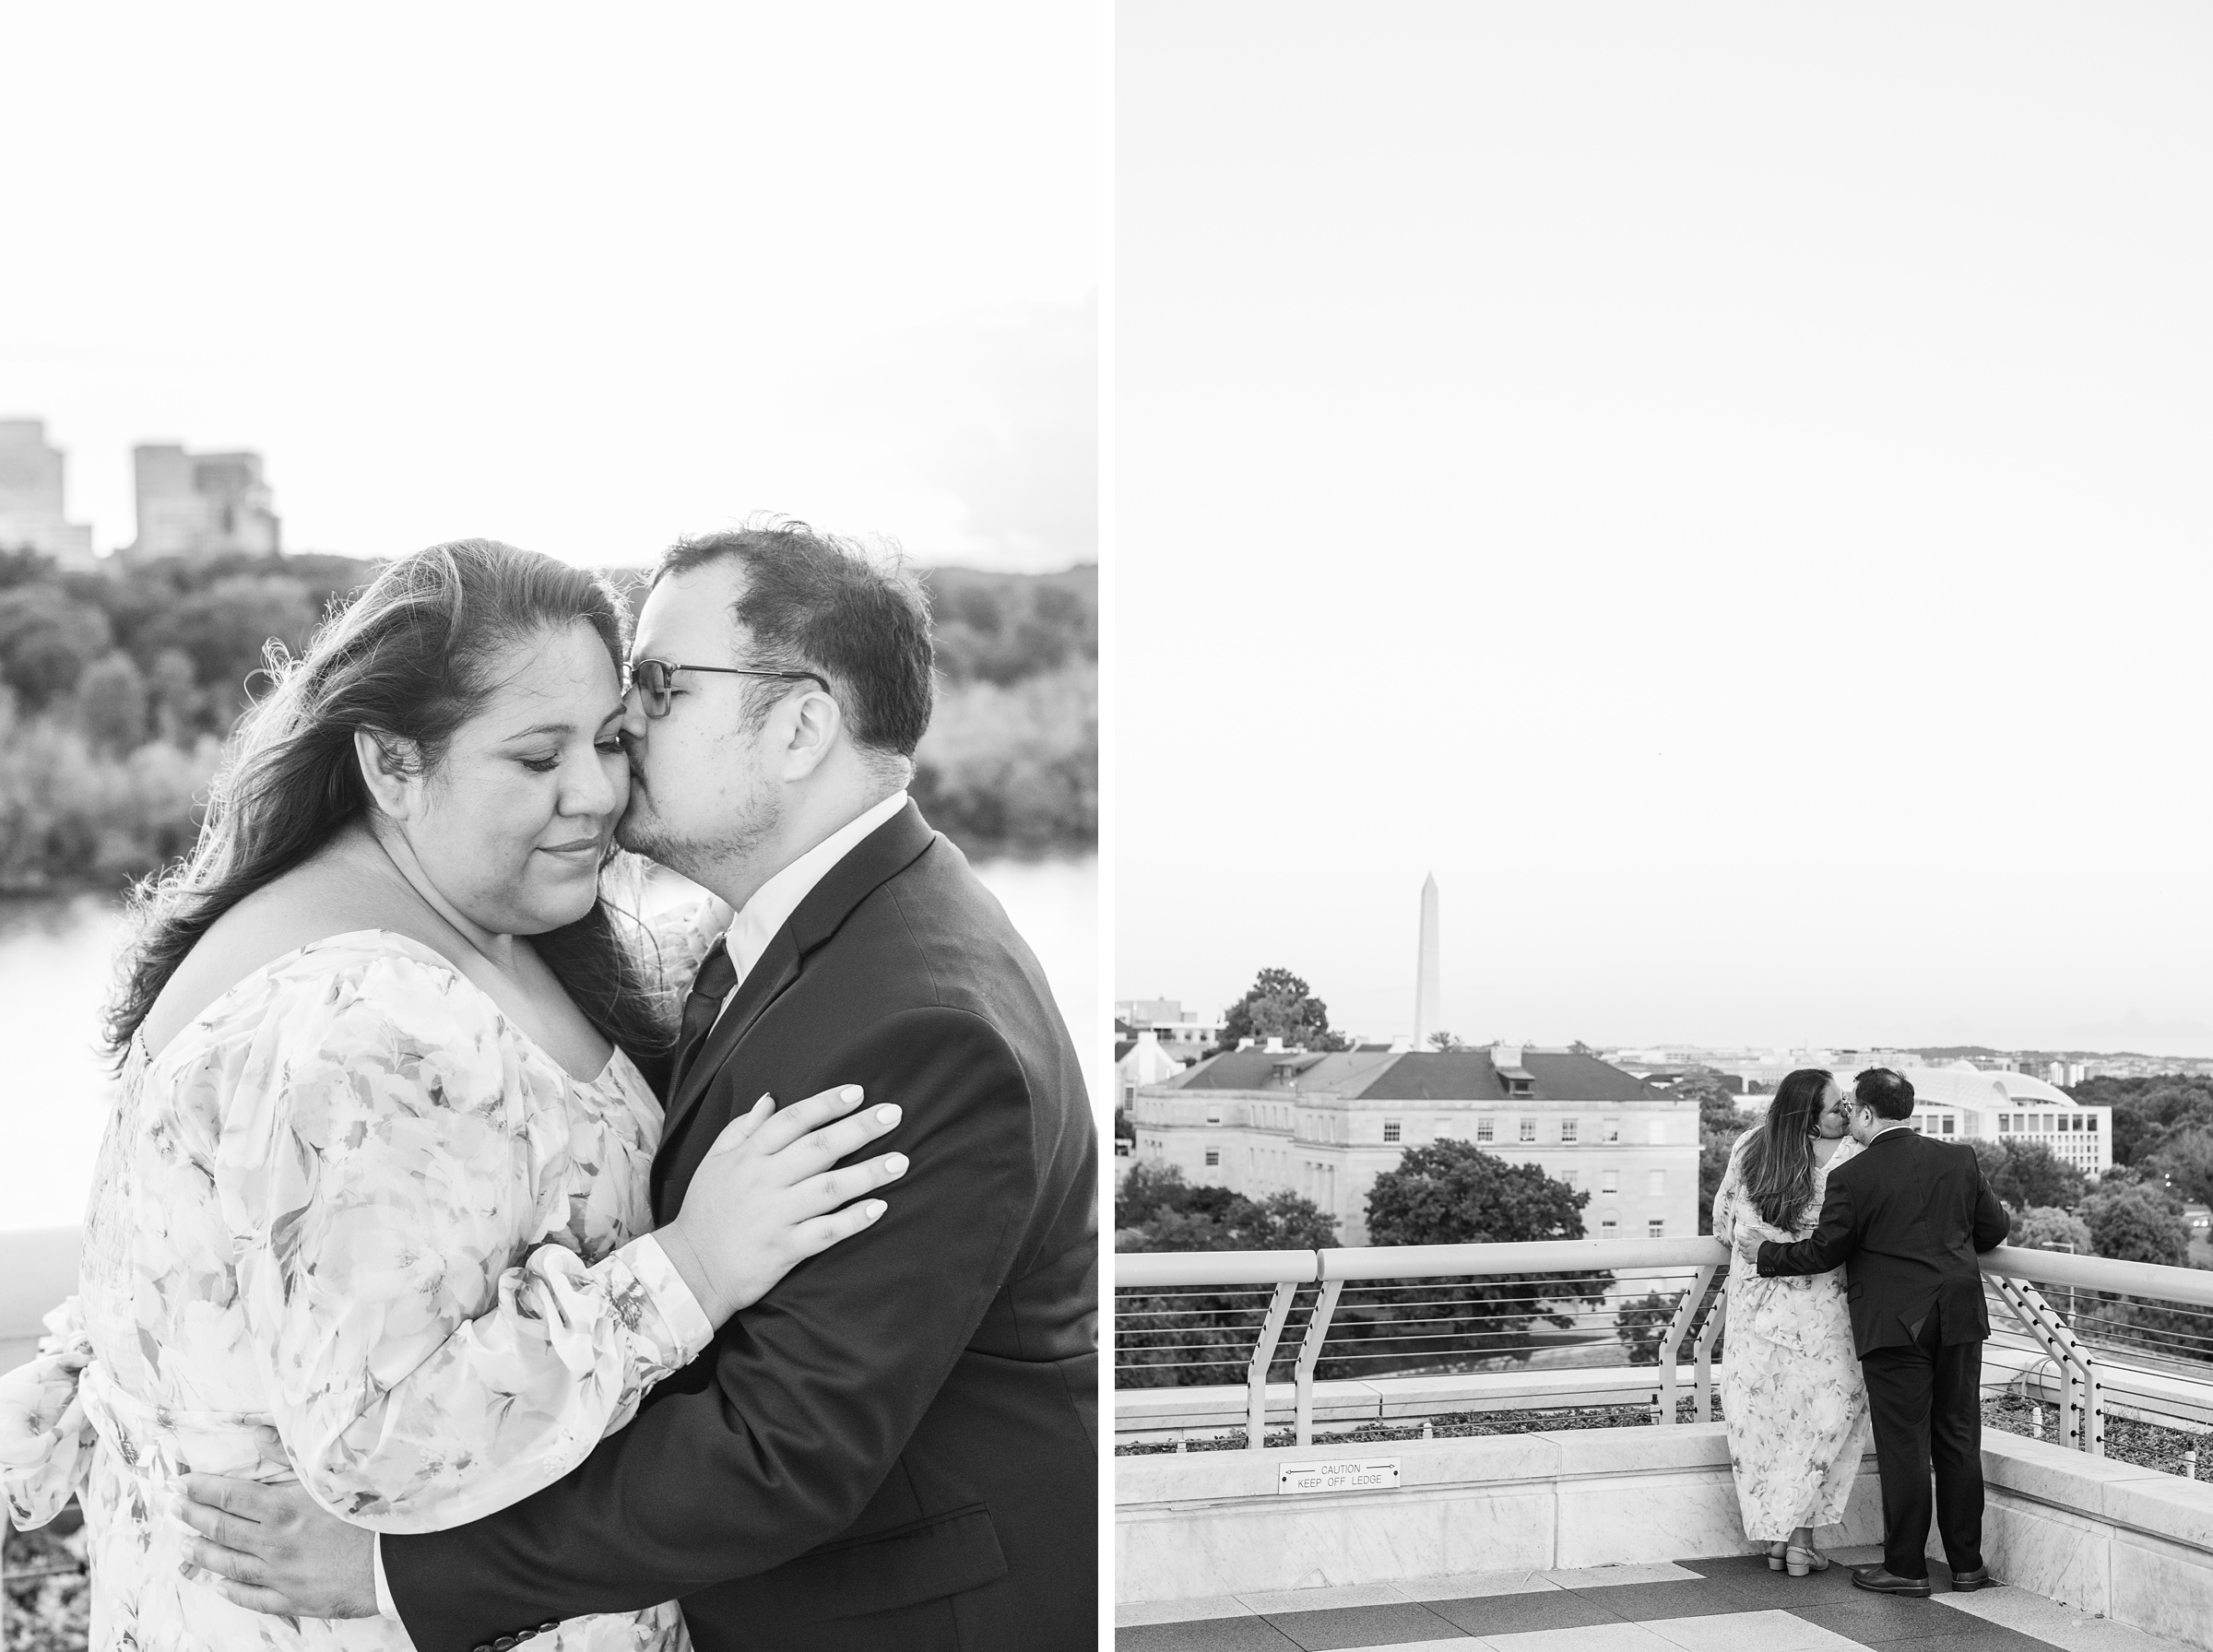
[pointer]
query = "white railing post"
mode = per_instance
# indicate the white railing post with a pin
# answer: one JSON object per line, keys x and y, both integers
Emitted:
{"x": 1263, "y": 1355}
{"x": 1671, "y": 1345}
{"x": 1709, "y": 1334}
{"x": 2082, "y": 1409}
{"x": 1310, "y": 1355}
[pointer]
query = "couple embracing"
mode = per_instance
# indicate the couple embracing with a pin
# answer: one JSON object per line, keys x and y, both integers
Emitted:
{"x": 1856, "y": 1292}
{"x": 471, "y": 1263}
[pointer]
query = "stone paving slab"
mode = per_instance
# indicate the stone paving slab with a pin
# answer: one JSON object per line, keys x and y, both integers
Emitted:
{"x": 1726, "y": 1603}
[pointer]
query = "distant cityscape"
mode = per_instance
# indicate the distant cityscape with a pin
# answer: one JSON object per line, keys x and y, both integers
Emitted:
{"x": 1322, "y": 1115}
{"x": 190, "y": 504}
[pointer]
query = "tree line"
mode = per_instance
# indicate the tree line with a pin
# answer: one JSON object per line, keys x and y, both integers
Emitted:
{"x": 118, "y": 686}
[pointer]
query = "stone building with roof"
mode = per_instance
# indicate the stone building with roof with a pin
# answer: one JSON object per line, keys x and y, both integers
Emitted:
{"x": 1258, "y": 1121}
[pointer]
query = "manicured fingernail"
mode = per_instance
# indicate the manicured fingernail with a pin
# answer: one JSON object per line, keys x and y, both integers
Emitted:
{"x": 873, "y": 1210}
{"x": 851, "y": 1092}
{"x": 894, "y": 1164}
{"x": 887, "y": 1115}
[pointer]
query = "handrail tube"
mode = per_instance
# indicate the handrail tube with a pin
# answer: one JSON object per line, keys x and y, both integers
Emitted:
{"x": 2193, "y": 1285}
{"x": 1549, "y": 1256}
{"x": 1159, "y": 1269}
{"x": 1144, "y": 1270}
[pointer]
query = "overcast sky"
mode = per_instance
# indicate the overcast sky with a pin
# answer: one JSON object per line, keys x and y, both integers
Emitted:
{"x": 576, "y": 278}
{"x": 1724, "y": 487}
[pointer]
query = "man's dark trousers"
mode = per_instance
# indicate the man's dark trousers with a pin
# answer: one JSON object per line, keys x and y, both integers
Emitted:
{"x": 1926, "y": 1399}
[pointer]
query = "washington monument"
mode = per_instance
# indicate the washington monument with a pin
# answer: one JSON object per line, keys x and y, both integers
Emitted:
{"x": 1427, "y": 1011}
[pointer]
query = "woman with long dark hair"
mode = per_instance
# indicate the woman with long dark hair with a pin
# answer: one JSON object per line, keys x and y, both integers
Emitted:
{"x": 1791, "y": 1386}
{"x": 372, "y": 1210}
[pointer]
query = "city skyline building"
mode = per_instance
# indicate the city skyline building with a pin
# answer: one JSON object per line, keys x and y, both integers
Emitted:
{"x": 1259, "y": 1121}
{"x": 33, "y": 516}
{"x": 202, "y": 504}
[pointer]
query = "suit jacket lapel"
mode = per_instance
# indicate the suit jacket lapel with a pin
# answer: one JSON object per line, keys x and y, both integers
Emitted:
{"x": 888, "y": 850}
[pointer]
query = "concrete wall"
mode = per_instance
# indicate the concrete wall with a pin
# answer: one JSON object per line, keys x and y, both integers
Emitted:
{"x": 2129, "y": 1543}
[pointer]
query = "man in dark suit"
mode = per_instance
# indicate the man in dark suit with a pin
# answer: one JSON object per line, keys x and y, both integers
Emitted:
{"x": 1905, "y": 1219}
{"x": 896, "y": 1448}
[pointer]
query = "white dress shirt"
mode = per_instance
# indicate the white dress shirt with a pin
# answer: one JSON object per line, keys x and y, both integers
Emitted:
{"x": 748, "y": 937}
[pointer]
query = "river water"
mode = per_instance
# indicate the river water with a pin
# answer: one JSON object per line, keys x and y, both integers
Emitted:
{"x": 56, "y": 955}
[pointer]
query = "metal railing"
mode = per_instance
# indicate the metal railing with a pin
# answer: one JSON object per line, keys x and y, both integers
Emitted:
{"x": 2131, "y": 1329}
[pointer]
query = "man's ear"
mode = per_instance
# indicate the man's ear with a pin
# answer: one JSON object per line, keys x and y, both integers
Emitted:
{"x": 817, "y": 721}
{"x": 390, "y": 767}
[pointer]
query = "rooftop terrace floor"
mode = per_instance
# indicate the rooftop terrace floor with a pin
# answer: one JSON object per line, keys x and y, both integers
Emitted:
{"x": 1730, "y": 1604}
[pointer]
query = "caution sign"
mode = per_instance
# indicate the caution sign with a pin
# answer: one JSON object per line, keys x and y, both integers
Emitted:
{"x": 1354, "y": 1474}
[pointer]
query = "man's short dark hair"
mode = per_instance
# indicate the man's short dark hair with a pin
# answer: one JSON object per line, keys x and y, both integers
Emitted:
{"x": 1890, "y": 1094}
{"x": 815, "y": 603}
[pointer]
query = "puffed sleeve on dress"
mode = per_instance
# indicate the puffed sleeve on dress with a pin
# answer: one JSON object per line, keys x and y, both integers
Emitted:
{"x": 45, "y": 1438}
{"x": 427, "y": 1363}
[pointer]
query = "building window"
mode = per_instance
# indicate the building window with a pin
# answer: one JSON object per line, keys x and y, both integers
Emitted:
{"x": 1214, "y": 1157}
{"x": 1951, "y": 1125}
{"x": 1655, "y": 1184}
{"x": 1572, "y": 1177}
{"x": 1214, "y": 1116}
{"x": 1613, "y": 1129}
{"x": 1609, "y": 1181}
{"x": 1608, "y": 1227}
{"x": 1656, "y": 1228}
{"x": 1486, "y": 1130}
{"x": 1390, "y": 1129}
{"x": 1567, "y": 1128}
{"x": 1529, "y": 1130}
{"x": 1443, "y": 1130}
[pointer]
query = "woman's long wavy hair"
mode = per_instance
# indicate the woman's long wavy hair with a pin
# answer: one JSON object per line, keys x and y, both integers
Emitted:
{"x": 411, "y": 660}
{"x": 1778, "y": 1160}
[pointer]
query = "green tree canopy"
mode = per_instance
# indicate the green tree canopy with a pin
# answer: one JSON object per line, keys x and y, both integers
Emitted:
{"x": 1455, "y": 1193}
{"x": 2044, "y": 1227}
{"x": 1282, "y": 1006}
{"x": 2135, "y": 1224}
{"x": 1156, "y": 1209}
{"x": 46, "y": 641}
{"x": 2027, "y": 1172}
{"x": 226, "y": 629}
{"x": 2184, "y": 1160}
{"x": 112, "y": 703}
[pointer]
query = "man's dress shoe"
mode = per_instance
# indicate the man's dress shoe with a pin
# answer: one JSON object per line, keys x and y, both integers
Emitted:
{"x": 1980, "y": 1578}
{"x": 1885, "y": 1582}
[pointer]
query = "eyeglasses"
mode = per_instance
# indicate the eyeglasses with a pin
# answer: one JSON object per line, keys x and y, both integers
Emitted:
{"x": 655, "y": 682}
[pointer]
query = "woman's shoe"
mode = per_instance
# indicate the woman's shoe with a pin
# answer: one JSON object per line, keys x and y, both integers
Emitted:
{"x": 1800, "y": 1562}
{"x": 1776, "y": 1553}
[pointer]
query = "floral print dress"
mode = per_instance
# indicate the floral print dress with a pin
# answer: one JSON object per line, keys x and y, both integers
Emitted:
{"x": 1791, "y": 1386}
{"x": 351, "y": 1226}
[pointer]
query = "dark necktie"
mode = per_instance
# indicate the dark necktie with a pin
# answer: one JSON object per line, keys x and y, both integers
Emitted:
{"x": 716, "y": 975}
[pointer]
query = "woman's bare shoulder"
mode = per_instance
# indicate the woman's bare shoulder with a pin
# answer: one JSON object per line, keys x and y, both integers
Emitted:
{"x": 326, "y": 897}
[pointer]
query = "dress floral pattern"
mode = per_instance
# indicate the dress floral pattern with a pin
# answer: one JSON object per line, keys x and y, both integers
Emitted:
{"x": 1791, "y": 1385}
{"x": 351, "y": 1226}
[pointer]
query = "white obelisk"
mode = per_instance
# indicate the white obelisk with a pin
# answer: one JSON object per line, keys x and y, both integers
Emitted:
{"x": 1427, "y": 1009}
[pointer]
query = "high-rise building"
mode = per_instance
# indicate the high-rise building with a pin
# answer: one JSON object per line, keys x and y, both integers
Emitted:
{"x": 30, "y": 496}
{"x": 201, "y": 504}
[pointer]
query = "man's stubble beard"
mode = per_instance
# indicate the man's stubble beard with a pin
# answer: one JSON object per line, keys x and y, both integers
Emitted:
{"x": 734, "y": 841}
